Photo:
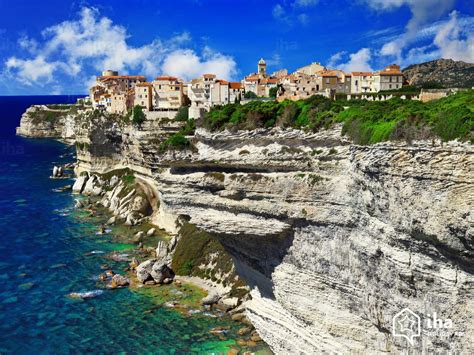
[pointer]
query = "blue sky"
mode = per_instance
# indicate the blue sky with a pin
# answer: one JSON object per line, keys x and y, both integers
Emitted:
{"x": 57, "y": 47}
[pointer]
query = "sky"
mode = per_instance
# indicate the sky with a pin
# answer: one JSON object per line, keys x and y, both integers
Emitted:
{"x": 58, "y": 47}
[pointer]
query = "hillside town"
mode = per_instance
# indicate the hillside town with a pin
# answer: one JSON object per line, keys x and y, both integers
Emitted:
{"x": 164, "y": 95}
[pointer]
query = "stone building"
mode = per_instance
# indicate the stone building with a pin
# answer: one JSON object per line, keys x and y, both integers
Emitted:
{"x": 144, "y": 96}
{"x": 391, "y": 78}
{"x": 168, "y": 93}
{"x": 362, "y": 82}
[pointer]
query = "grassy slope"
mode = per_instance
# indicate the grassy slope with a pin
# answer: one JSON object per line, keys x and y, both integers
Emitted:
{"x": 365, "y": 122}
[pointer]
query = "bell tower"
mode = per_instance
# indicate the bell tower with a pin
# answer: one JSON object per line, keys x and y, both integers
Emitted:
{"x": 262, "y": 67}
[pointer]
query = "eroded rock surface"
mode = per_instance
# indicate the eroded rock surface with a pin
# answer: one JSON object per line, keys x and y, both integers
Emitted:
{"x": 333, "y": 239}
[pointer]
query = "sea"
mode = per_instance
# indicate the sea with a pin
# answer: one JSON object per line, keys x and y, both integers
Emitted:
{"x": 48, "y": 250}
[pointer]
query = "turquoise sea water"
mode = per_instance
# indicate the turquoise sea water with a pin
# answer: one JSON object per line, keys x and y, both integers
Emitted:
{"x": 43, "y": 249}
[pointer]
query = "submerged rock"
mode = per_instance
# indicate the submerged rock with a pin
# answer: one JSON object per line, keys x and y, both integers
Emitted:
{"x": 119, "y": 281}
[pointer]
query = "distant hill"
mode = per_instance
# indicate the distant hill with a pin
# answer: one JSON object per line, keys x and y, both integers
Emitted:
{"x": 441, "y": 72}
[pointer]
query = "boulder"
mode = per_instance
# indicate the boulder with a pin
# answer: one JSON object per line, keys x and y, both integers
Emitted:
{"x": 161, "y": 252}
{"x": 92, "y": 187}
{"x": 137, "y": 238}
{"x": 244, "y": 331}
{"x": 210, "y": 299}
{"x": 160, "y": 272}
{"x": 151, "y": 232}
{"x": 144, "y": 270}
{"x": 113, "y": 181}
{"x": 111, "y": 220}
{"x": 55, "y": 171}
{"x": 134, "y": 263}
{"x": 119, "y": 281}
{"x": 79, "y": 184}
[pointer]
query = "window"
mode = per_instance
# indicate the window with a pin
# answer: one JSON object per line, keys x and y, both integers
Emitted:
{"x": 390, "y": 86}
{"x": 356, "y": 82}
{"x": 327, "y": 80}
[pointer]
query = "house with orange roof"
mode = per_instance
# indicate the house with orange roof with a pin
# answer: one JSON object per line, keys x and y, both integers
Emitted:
{"x": 113, "y": 84}
{"x": 362, "y": 82}
{"x": 168, "y": 93}
{"x": 207, "y": 91}
{"x": 390, "y": 78}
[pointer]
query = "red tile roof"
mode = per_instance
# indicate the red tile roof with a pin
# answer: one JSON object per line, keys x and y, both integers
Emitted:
{"x": 235, "y": 85}
{"x": 166, "y": 78}
{"x": 129, "y": 77}
{"x": 209, "y": 76}
{"x": 362, "y": 73}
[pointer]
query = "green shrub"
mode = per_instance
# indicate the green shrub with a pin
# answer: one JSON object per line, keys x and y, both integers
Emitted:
{"x": 365, "y": 122}
{"x": 138, "y": 117}
{"x": 176, "y": 141}
{"x": 250, "y": 95}
{"x": 182, "y": 114}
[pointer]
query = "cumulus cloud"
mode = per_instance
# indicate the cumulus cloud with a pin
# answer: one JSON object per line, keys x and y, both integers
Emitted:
{"x": 92, "y": 43}
{"x": 335, "y": 59}
{"x": 422, "y": 11}
{"x": 358, "y": 61}
{"x": 31, "y": 70}
{"x": 186, "y": 64}
{"x": 453, "y": 42}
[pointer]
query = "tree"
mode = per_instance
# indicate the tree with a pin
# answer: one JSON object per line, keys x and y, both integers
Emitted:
{"x": 250, "y": 95}
{"x": 182, "y": 114}
{"x": 273, "y": 92}
{"x": 138, "y": 117}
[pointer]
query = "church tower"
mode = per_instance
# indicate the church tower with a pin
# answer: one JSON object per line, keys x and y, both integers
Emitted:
{"x": 262, "y": 67}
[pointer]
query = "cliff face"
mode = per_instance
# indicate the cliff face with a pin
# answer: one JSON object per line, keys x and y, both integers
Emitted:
{"x": 40, "y": 121}
{"x": 334, "y": 239}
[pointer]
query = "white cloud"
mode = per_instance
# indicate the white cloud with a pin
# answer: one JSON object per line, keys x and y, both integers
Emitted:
{"x": 92, "y": 43}
{"x": 358, "y": 61}
{"x": 32, "y": 70}
{"x": 453, "y": 42}
{"x": 422, "y": 11}
{"x": 335, "y": 58}
{"x": 185, "y": 63}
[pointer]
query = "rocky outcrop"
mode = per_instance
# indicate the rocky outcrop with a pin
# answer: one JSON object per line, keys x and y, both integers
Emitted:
{"x": 43, "y": 122}
{"x": 444, "y": 72}
{"x": 333, "y": 239}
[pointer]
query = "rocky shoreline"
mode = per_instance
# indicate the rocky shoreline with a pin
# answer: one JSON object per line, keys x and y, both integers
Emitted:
{"x": 128, "y": 207}
{"x": 332, "y": 239}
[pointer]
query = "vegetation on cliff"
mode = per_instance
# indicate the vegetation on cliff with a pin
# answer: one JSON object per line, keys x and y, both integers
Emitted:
{"x": 365, "y": 122}
{"x": 199, "y": 253}
{"x": 179, "y": 140}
